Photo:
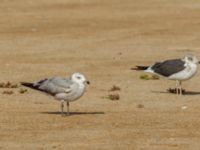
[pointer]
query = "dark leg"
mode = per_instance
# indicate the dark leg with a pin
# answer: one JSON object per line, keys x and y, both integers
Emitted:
{"x": 67, "y": 108}
{"x": 62, "y": 107}
{"x": 180, "y": 87}
{"x": 177, "y": 87}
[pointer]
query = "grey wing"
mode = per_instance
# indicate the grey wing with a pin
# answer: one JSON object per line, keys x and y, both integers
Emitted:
{"x": 62, "y": 82}
{"x": 55, "y": 85}
{"x": 169, "y": 67}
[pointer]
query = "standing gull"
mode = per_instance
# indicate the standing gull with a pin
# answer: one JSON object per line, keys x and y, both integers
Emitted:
{"x": 174, "y": 69}
{"x": 63, "y": 89}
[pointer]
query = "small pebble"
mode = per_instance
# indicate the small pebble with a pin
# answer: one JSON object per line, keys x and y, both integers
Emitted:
{"x": 184, "y": 107}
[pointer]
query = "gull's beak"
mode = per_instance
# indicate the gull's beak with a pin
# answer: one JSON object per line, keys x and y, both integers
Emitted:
{"x": 88, "y": 82}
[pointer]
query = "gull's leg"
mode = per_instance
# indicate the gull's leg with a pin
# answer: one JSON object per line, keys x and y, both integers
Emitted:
{"x": 62, "y": 107}
{"x": 180, "y": 87}
{"x": 177, "y": 87}
{"x": 67, "y": 108}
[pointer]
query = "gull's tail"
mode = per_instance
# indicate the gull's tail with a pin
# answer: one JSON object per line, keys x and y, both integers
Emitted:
{"x": 27, "y": 84}
{"x": 138, "y": 68}
{"x": 35, "y": 86}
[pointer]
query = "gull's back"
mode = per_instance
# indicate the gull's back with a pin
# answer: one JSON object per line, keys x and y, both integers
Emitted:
{"x": 54, "y": 85}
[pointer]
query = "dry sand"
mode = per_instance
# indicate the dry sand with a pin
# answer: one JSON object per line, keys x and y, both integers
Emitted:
{"x": 102, "y": 39}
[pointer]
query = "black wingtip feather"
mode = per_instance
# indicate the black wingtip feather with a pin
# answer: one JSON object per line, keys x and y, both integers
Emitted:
{"x": 32, "y": 86}
{"x": 138, "y": 68}
{"x": 27, "y": 84}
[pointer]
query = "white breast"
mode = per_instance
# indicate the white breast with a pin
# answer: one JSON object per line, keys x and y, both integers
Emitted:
{"x": 187, "y": 73}
{"x": 75, "y": 94}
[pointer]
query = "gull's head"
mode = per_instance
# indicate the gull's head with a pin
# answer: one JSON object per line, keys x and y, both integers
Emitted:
{"x": 191, "y": 59}
{"x": 79, "y": 78}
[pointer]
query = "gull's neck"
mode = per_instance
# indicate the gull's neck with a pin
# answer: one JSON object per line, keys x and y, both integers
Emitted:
{"x": 191, "y": 63}
{"x": 81, "y": 85}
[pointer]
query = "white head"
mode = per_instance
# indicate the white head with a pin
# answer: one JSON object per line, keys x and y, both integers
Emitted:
{"x": 191, "y": 59}
{"x": 79, "y": 78}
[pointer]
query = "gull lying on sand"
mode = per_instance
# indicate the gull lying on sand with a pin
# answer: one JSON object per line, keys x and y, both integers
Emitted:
{"x": 174, "y": 69}
{"x": 63, "y": 89}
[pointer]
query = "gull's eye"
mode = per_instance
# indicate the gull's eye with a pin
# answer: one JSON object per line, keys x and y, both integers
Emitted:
{"x": 79, "y": 77}
{"x": 190, "y": 58}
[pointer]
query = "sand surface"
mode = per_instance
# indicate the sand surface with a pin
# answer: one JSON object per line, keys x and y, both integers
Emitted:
{"x": 102, "y": 39}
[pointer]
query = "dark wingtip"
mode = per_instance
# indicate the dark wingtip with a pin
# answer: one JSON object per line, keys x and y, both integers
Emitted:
{"x": 139, "y": 68}
{"x": 133, "y": 68}
{"x": 27, "y": 84}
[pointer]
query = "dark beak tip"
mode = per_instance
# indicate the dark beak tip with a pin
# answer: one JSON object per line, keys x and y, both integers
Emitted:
{"x": 88, "y": 82}
{"x": 199, "y": 62}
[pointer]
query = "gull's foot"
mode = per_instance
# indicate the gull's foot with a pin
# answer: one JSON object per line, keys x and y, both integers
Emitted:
{"x": 63, "y": 114}
{"x": 174, "y": 90}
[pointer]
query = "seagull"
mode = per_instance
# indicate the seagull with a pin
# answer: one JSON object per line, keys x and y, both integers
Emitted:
{"x": 174, "y": 69}
{"x": 62, "y": 89}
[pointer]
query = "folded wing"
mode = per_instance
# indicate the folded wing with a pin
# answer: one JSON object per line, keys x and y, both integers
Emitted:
{"x": 52, "y": 86}
{"x": 168, "y": 67}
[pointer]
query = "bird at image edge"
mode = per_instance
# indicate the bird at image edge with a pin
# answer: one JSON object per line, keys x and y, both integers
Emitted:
{"x": 174, "y": 69}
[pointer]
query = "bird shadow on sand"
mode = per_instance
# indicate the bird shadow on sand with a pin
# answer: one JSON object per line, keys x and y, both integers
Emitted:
{"x": 74, "y": 113}
{"x": 184, "y": 93}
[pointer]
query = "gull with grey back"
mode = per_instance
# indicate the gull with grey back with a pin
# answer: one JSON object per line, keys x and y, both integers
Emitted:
{"x": 174, "y": 69}
{"x": 63, "y": 89}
